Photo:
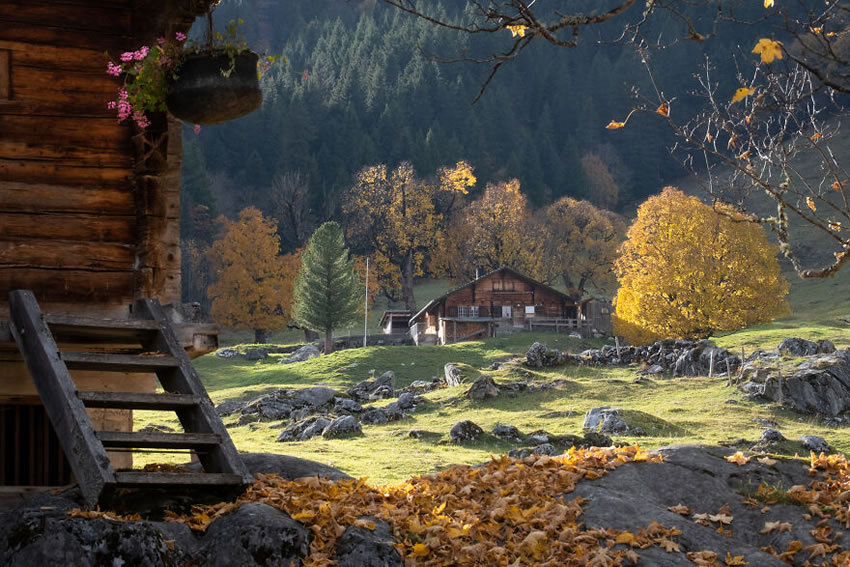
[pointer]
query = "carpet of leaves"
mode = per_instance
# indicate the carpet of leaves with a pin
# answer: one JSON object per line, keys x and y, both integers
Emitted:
{"x": 512, "y": 512}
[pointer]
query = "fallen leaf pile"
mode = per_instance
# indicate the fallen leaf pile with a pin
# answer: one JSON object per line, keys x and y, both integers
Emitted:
{"x": 506, "y": 512}
{"x": 513, "y": 512}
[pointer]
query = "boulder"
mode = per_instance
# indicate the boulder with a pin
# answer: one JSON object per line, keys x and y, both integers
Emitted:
{"x": 771, "y": 436}
{"x": 288, "y": 467}
{"x": 546, "y": 449}
{"x": 229, "y": 407}
{"x": 464, "y": 431}
{"x": 794, "y": 346}
{"x": 255, "y": 534}
{"x": 820, "y": 385}
{"x": 696, "y": 361}
{"x": 255, "y": 354}
{"x": 227, "y": 353}
{"x": 825, "y": 346}
{"x": 406, "y": 401}
{"x": 342, "y": 405}
{"x": 815, "y": 443}
{"x": 365, "y": 389}
{"x": 454, "y": 375}
{"x": 274, "y": 406}
{"x": 362, "y": 547}
{"x": 605, "y": 420}
{"x": 380, "y": 416}
{"x": 304, "y": 429}
{"x": 304, "y": 353}
{"x": 316, "y": 397}
{"x": 342, "y": 427}
{"x": 507, "y": 432}
{"x": 540, "y": 355}
{"x": 482, "y": 389}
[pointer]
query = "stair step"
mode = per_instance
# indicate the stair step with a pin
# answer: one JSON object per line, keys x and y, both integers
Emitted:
{"x": 117, "y": 362}
{"x": 132, "y": 400}
{"x": 139, "y": 440}
{"x": 67, "y": 329}
{"x": 154, "y": 479}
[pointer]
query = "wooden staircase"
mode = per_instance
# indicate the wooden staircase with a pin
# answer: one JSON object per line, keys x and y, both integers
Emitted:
{"x": 37, "y": 334}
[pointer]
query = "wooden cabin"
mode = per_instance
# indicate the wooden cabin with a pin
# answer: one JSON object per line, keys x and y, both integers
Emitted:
{"x": 89, "y": 208}
{"x": 395, "y": 322}
{"x": 498, "y": 303}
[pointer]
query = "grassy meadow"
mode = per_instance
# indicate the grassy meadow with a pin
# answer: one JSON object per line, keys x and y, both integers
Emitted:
{"x": 671, "y": 410}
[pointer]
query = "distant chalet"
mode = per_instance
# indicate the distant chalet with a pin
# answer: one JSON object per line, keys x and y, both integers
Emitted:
{"x": 500, "y": 303}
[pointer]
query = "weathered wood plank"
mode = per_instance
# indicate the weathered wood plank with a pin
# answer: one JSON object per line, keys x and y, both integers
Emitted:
{"x": 54, "y": 57}
{"x": 69, "y": 286}
{"x": 184, "y": 379}
{"x": 79, "y": 227}
{"x": 37, "y": 172}
{"x": 5, "y": 74}
{"x": 44, "y": 197}
{"x": 153, "y": 479}
{"x": 56, "y": 254}
{"x": 81, "y": 92}
{"x": 106, "y": 20}
{"x": 86, "y": 455}
{"x": 90, "y": 133}
{"x": 129, "y": 400}
{"x": 61, "y": 153}
{"x": 137, "y": 440}
{"x": 117, "y": 362}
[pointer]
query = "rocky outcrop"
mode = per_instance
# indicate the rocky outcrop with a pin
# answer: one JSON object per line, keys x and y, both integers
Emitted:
{"x": 605, "y": 420}
{"x": 482, "y": 389}
{"x": 342, "y": 427}
{"x": 381, "y": 387}
{"x": 453, "y": 375}
{"x": 304, "y": 353}
{"x": 794, "y": 346}
{"x": 681, "y": 357}
{"x": 820, "y": 385}
{"x": 539, "y": 356}
{"x": 465, "y": 431}
{"x": 361, "y": 547}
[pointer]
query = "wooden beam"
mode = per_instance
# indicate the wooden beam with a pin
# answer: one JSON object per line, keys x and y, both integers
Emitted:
{"x": 5, "y": 74}
{"x": 116, "y": 362}
{"x": 137, "y": 440}
{"x": 166, "y": 479}
{"x": 134, "y": 400}
{"x": 88, "y": 459}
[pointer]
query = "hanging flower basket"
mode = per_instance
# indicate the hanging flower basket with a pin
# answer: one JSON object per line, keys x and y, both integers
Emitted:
{"x": 211, "y": 88}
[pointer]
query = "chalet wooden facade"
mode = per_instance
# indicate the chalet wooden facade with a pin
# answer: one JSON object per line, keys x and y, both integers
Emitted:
{"x": 395, "y": 322}
{"x": 89, "y": 208}
{"x": 498, "y": 303}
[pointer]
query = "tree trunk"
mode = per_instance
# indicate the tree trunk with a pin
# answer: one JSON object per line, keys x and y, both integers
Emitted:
{"x": 329, "y": 341}
{"x": 407, "y": 282}
{"x": 260, "y": 336}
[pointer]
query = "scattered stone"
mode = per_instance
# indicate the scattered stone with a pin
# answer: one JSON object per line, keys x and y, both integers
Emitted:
{"x": 315, "y": 397}
{"x": 416, "y": 433}
{"x": 771, "y": 436}
{"x": 156, "y": 428}
{"x": 342, "y": 427}
{"x": 464, "y": 431}
{"x": 765, "y": 422}
{"x": 546, "y": 449}
{"x": 454, "y": 375}
{"x": 595, "y": 439}
{"x": 365, "y": 389}
{"x": 794, "y": 346}
{"x": 654, "y": 369}
{"x": 421, "y": 386}
{"x": 507, "y": 432}
{"x": 406, "y": 401}
{"x": 496, "y": 366}
{"x": 304, "y": 353}
{"x": 380, "y": 416}
{"x": 255, "y": 534}
{"x": 305, "y": 429}
{"x": 605, "y": 420}
{"x": 683, "y": 357}
{"x": 825, "y": 346}
{"x": 227, "y": 353}
{"x": 255, "y": 354}
{"x": 229, "y": 407}
{"x": 540, "y": 355}
{"x": 342, "y": 405}
{"x": 382, "y": 393}
{"x": 482, "y": 389}
{"x": 815, "y": 443}
{"x": 362, "y": 547}
{"x": 539, "y": 436}
{"x": 638, "y": 432}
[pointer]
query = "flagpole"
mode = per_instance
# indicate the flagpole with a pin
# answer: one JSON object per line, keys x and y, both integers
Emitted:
{"x": 366, "y": 306}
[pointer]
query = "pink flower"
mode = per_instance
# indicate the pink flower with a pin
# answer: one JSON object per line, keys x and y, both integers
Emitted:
{"x": 141, "y": 120}
{"x": 160, "y": 41}
{"x": 113, "y": 69}
{"x": 111, "y": 105}
{"x": 127, "y": 56}
{"x": 197, "y": 129}
{"x": 180, "y": 36}
{"x": 141, "y": 53}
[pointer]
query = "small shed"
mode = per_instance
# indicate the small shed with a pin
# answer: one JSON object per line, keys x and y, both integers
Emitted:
{"x": 89, "y": 207}
{"x": 395, "y": 322}
{"x": 500, "y": 302}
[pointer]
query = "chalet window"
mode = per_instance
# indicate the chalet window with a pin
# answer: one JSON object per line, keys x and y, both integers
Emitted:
{"x": 473, "y": 311}
{"x": 463, "y": 311}
{"x": 529, "y": 310}
{"x": 5, "y": 74}
{"x": 497, "y": 285}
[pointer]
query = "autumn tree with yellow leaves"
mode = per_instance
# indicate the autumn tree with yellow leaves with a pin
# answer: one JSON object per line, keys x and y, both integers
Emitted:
{"x": 581, "y": 245}
{"x": 400, "y": 217}
{"x": 687, "y": 271}
{"x": 497, "y": 229}
{"x": 253, "y": 287}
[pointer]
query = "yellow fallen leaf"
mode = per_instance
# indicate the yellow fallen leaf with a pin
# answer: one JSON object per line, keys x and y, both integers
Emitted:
{"x": 419, "y": 550}
{"x": 768, "y": 49}
{"x": 768, "y": 3}
{"x": 736, "y": 560}
{"x": 517, "y": 30}
{"x": 721, "y": 518}
{"x": 767, "y": 461}
{"x": 366, "y": 524}
{"x": 742, "y": 93}
{"x": 811, "y": 204}
{"x": 626, "y": 537}
{"x": 738, "y": 458}
{"x": 680, "y": 509}
{"x": 669, "y": 545}
{"x": 663, "y": 110}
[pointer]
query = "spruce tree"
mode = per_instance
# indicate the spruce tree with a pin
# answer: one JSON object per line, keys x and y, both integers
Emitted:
{"x": 327, "y": 290}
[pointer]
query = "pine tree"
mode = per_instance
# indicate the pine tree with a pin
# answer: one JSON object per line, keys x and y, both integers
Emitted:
{"x": 327, "y": 290}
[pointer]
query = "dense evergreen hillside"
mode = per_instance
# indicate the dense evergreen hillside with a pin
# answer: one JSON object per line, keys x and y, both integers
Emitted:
{"x": 356, "y": 91}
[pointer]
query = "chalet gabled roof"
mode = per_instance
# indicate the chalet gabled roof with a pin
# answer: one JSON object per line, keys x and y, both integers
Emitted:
{"x": 394, "y": 314}
{"x": 503, "y": 269}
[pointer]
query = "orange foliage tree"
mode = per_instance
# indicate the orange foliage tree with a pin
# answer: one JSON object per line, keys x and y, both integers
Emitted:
{"x": 582, "y": 243}
{"x": 686, "y": 271}
{"x": 495, "y": 230}
{"x": 400, "y": 216}
{"x": 254, "y": 283}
